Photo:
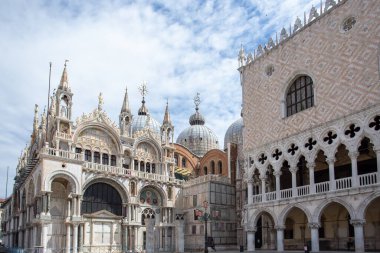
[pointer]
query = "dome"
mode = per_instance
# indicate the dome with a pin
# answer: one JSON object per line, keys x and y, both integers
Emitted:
{"x": 198, "y": 139}
{"x": 140, "y": 122}
{"x": 234, "y": 133}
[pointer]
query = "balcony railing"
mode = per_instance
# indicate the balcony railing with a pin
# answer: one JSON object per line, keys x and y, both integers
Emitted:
{"x": 114, "y": 170}
{"x": 63, "y": 136}
{"x": 320, "y": 188}
{"x": 61, "y": 153}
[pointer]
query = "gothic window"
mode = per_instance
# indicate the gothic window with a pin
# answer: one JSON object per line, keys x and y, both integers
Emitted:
{"x": 141, "y": 166}
{"x": 101, "y": 196}
{"x": 183, "y": 162}
{"x": 153, "y": 168}
{"x": 96, "y": 157}
{"x": 300, "y": 95}
{"x": 136, "y": 165}
{"x": 113, "y": 160}
{"x": 105, "y": 159}
{"x": 87, "y": 155}
{"x": 212, "y": 167}
{"x": 220, "y": 166}
{"x": 148, "y": 167}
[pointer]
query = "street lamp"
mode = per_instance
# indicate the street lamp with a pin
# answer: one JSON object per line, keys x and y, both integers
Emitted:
{"x": 204, "y": 216}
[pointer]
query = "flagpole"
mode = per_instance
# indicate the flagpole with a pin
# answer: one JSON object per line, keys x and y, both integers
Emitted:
{"x": 6, "y": 184}
{"x": 48, "y": 98}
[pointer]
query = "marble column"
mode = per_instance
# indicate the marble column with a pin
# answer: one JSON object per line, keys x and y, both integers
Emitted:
{"x": 125, "y": 238}
{"x": 293, "y": 170}
{"x": 331, "y": 161}
{"x": 149, "y": 235}
{"x": 136, "y": 238}
{"x": 75, "y": 206}
{"x": 314, "y": 236}
{"x": 377, "y": 150}
{"x": 250, "y": 191}
{"x": 44, "y": 236}
{"x": 354, "y": 167}
{"x": 68, "y": 238}
{"x": 180, "y": 236}
{"x": 280, "y": 238}
{"x": 75, "y": 238}
{"x": 26, "y": 239}
{"x": 263, "y": 196}
{"x": 81, "y": 237}
{"x": 277, "y": 174}
{"x": 311, "y": 167}
{"x": 359, "y": 235}
{"x": 251, "y": 240}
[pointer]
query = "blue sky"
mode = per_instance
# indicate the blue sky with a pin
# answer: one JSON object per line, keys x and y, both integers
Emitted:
{"x": 178, "y": 47}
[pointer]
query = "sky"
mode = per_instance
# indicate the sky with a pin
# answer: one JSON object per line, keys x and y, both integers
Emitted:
{"x": 178, "y": 48}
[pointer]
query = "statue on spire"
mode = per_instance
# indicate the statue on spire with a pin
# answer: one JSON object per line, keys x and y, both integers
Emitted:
{"x": 143, "y": 90}
{"x": 101, "y": 102}
{"x": 197, "y": 101}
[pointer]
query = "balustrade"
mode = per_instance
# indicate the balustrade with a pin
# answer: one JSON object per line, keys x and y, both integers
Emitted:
{"x": 343, "y": 183}
{"x": 303, "y": 190}
{"x": 322, "y": 187}
{"x": 257, "y": 198}
{"x": 270, "y": 196}
{"x": 368, "y": 179}
{"x": 285, "y": 194}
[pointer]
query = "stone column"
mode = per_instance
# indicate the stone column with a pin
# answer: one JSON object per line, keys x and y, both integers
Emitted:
{"x": 377, "y": 150}
{"x": 68, "y": 238}
{"x": 277, "y": 174}
{"x": 81, "y": 237}
{"x": 136, "y": 238}
{"x": 180, "y": 236}
{"x": 331, "y": 161}
{"x": 354, "y": 167}
{"x": 68, "y": 207}
{"x": 311, "y": 167}
{"x": 293, "y": 170}
{"x": 250, "y": 190}
{"x": 251, "y": 240}
{"x": 359, "y": 235}
{"x": 166, "y": 241}
{"x": 34, "y": 236}
{"x": 149, "y": 235}
{"x": 314, "y": 236}
{"x": 26, "y": 239}
{"x": 280, "y": 238}
{"x": 112, "y": 236}
{"x": 44, "y": 238}
{"x": 79, "y": 198}
{"x": 75, "y": 238}
{"x": 125, "y": 237}
{"x": 263, "y": 196}
{"x": 75, "y": 206}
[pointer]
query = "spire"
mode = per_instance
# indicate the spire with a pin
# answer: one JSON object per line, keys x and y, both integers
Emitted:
{"x": 143, "y": 91}
{"x": 125, "y": 107}
{"x": 64, "y": 84}
{"x": 241, "y": 56}
{"x": 167, "y": 114}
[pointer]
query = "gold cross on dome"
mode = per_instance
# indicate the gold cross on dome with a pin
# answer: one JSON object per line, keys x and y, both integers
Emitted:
{"x": 143, "y": 90}
{"x": 197, "y": 100}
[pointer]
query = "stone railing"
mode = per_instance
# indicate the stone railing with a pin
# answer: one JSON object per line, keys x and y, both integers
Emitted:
{"x": 207, "y": 178}
{"x": 61, "y": 154}
{"x": 319, "y": 188}
{"x": 63, "y": 136}
{"x": 119, "y": 171}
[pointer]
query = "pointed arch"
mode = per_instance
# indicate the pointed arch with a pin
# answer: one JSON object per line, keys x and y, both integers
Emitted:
{"x": 360, "y": 214}
{"x": 284, "y": 213}
{"x": 254, "y": 217}
{"x": 322, "y": 206}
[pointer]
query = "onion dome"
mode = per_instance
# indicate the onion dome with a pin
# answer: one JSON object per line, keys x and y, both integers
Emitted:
{"x": 234, "y": 133}
{"x": 198, "y": 138}
{"x": 143, "y": 119}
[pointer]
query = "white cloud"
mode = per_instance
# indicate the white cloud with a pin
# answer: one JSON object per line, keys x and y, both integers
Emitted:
{"x": 178, "y": 47}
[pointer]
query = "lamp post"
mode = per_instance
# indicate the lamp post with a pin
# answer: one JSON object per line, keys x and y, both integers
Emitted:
{"x": 204, "y": 216}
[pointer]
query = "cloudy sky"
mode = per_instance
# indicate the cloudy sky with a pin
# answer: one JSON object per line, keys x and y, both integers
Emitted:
{"x": 179, "y": 47}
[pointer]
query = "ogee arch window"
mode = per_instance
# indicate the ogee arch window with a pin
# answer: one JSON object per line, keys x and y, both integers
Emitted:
{"x": 300, "y": 95}
{"x": 101, "y": 196}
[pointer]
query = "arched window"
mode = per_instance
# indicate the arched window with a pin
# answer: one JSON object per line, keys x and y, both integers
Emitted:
{"x": 113, "y": 160}
{"x": 176, "y": 159}
{"x": 220, "y": 167}
{"x": 183, "y": 162}
{"x": 300, "y": 95}
{"x": 105, "y": 159}
{"x": 212, "y": 167}
{"x": 96, "y": 157}
{"x": 87, "y": 155}
{"x": 205, "y": 170}
{"x": 101, "y": 196}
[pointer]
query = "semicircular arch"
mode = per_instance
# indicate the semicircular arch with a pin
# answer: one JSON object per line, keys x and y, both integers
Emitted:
{"x": 74, "y": 183}
{"x": 120, "y": 188}
{"x": 158, "y": 189}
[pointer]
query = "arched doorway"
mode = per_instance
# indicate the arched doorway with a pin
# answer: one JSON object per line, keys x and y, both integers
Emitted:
{"x": 296, "y": 232}
{"x": 338, "y": 231}
{"x": 372, "y": 226}
{"x": 265, "y": 234}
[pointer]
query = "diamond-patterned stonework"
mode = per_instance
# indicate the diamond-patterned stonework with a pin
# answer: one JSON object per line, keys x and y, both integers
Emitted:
{"x": 344, "y": 66}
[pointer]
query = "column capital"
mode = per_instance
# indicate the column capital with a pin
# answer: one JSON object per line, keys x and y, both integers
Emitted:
{"x": 250, "y": 229}
{"x": 330, "y": 160}
{"x": 279, "y": 227}
{"x": 263, "y": 177}
{"x": 311, "y": 165}
{"x": 314, "y": 225}
{"x": 357, "y": 222}
{"x": 277, "y": 173}
{"x": 353, "y": 154}
{"x": 293, "y": 169}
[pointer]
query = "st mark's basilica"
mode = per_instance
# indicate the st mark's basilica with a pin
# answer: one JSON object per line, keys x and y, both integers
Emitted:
{"x": 299, "y": 167}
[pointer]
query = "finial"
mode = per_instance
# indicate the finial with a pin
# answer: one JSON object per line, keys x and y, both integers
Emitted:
{"x": 100, "y": 101}
{"x": 66, "y": 61}
{"x": 197, "y": 101}
{"x": 143, "y": 90}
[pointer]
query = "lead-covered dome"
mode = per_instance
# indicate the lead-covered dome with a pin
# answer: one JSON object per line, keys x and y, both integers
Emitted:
{"x": 234, "y": 133}
{"x": 198, "y": 138}
{"x": 144, "y": 120}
